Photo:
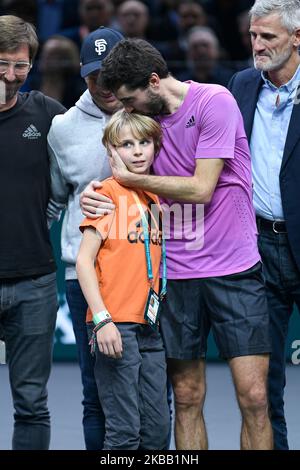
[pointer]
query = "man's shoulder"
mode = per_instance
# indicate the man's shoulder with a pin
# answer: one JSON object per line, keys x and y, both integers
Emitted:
{"x": 63, "y": 122}
{"x": 76, "y": 117}
{"x": 244, "y": 76}
{"x": 208, "y": 89}
{"x": 39, "y": 102}
{"x": 206, "y": 94}
{"x": 39, "y": 97}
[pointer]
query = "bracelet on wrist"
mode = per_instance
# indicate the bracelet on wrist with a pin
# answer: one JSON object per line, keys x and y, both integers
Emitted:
{"x": 93, "y": 339}
{"x": 98, "y": 317}
{"x": 101, "y": 324}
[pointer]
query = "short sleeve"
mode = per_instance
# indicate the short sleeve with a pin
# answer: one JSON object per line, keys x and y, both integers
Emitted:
{"x": 104, "y": 223}
{"x": 218, "y": 127}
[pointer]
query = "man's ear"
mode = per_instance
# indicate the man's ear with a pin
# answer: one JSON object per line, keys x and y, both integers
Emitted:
{"x": 154, "y": 81}
{"x": 297, "y": 37}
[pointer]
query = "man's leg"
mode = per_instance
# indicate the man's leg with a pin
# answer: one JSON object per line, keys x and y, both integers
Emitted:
{"x": 250, "y": 380}
{"x": 93, "y": 416}
{"x": 188, "y": 381}
{"x": 184, "y": 328}
{"x": 282, "y": 283}
{"x": 29, "y": 326}
{"x": 240, "y": 323}
{"x": 280, "y": 313}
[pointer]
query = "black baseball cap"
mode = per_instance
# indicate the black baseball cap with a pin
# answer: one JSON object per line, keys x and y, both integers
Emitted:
{"x": 96, "y": 46}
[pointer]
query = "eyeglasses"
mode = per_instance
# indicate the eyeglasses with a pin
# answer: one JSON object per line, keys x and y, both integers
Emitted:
{"x": 20, "y": 67}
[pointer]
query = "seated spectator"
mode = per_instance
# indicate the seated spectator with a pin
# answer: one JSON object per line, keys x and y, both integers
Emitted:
{"x": 225, "y": 14}
{"x": 203, "y": 55}
{"x": 92, "y": 14}
{"x": 164, "y": 20}
{"x": 189, "y": 14}
{"x": 53, "y": 16}
{"x": 25, "y": 10}
{"x": 243, "y": 22}
{"x": 95, "y": 13}
{"x": 49, "y": 16}
{"x": 58, "y": 71}
{"x": 133, "y": 19}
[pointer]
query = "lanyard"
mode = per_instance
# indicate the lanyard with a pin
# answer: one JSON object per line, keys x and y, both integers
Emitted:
{"x": 147, "y": 249}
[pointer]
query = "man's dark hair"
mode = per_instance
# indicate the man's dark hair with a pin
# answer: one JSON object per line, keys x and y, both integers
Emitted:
{"x": 131, "y": 62}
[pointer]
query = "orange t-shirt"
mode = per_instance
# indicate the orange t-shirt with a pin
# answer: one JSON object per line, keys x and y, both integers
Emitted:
{"x": 121, "y": 261}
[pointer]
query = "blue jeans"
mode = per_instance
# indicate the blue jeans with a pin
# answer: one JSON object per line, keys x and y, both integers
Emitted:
{"x": 93, "y": 417}
{"x": 27, "y": 320}
{"x": 283, "y": 291}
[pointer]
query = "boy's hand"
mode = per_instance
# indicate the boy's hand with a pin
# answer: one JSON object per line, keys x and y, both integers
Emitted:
{"x": 93, "y": 204}
{"x": 109, "y": 341}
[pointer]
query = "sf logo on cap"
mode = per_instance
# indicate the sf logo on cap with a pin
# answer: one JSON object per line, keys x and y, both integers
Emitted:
{"x": 100, "y": 46}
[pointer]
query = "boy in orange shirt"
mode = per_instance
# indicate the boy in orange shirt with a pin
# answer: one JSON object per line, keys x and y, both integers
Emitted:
{"x": 118, "y": 270}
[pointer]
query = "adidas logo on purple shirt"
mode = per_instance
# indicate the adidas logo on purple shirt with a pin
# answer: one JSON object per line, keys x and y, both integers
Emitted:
{"x": 191, "y": 122}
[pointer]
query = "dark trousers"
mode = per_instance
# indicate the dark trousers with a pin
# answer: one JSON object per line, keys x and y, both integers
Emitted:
{"x": 27, "y": 319}
{"x": 283, "y": 291}
{"x": 133, "y": 391}
{"x": 93, "y": 417}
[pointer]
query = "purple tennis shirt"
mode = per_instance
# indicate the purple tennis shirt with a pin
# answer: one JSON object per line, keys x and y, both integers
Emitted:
{"x": 218, "y": 238}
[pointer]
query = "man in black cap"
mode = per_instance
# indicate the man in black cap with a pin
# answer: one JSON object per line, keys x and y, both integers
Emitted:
{"x": 76, "y": 157}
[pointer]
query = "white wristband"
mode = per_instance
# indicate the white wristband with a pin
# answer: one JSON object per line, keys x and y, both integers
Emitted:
{"x": 101, "y": 316}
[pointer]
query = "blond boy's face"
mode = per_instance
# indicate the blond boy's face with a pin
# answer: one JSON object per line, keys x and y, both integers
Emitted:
{"x": 137, "y": 154}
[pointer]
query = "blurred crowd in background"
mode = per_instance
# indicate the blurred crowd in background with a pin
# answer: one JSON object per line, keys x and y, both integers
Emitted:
{"x": 202, "y": 40}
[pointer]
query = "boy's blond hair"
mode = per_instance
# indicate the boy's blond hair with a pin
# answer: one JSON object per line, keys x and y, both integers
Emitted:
{"x": 142, "y": 127}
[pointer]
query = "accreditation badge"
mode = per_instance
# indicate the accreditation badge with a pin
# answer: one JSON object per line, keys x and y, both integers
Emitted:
{"x": 152, "y": 309}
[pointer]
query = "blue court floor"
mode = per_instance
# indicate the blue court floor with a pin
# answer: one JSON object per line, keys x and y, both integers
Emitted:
{"x": 221, "y": 412}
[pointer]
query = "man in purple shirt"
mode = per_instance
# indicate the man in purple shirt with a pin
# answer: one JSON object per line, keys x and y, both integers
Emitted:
{"x": 214, "y": 269}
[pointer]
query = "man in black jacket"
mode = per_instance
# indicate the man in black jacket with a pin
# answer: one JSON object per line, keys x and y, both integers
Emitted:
{"x": 268, "y": 98}
{"x": 28, "y": 301}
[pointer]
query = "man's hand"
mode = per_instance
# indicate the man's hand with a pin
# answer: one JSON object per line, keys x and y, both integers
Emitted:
{"x": 118, "y": 167}
{"x": 93, "y": 204}
{"x": 109, "y": 341}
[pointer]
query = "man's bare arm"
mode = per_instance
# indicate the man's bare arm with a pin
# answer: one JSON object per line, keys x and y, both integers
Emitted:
{"x": 198, "y": 188}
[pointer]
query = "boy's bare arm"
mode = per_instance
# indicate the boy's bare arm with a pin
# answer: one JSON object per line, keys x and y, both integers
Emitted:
{"x": 108, "y": 337}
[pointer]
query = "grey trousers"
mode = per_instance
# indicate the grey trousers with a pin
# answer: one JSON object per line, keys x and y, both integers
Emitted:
{"x": 133, "y": 391}
{"x": 27, "y": 319}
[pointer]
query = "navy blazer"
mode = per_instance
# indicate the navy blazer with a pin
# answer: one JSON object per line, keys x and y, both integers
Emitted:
{"x": 245, "y": 87}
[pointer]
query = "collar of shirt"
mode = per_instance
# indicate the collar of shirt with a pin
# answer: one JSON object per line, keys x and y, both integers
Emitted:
{"x": 291, "y": 86}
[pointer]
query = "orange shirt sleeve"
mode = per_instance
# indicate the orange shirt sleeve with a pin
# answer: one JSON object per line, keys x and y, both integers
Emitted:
{"x": 103, "y": 223}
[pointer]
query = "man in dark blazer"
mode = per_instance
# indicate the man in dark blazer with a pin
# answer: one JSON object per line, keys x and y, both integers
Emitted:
{"x": 269, "y": 99}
